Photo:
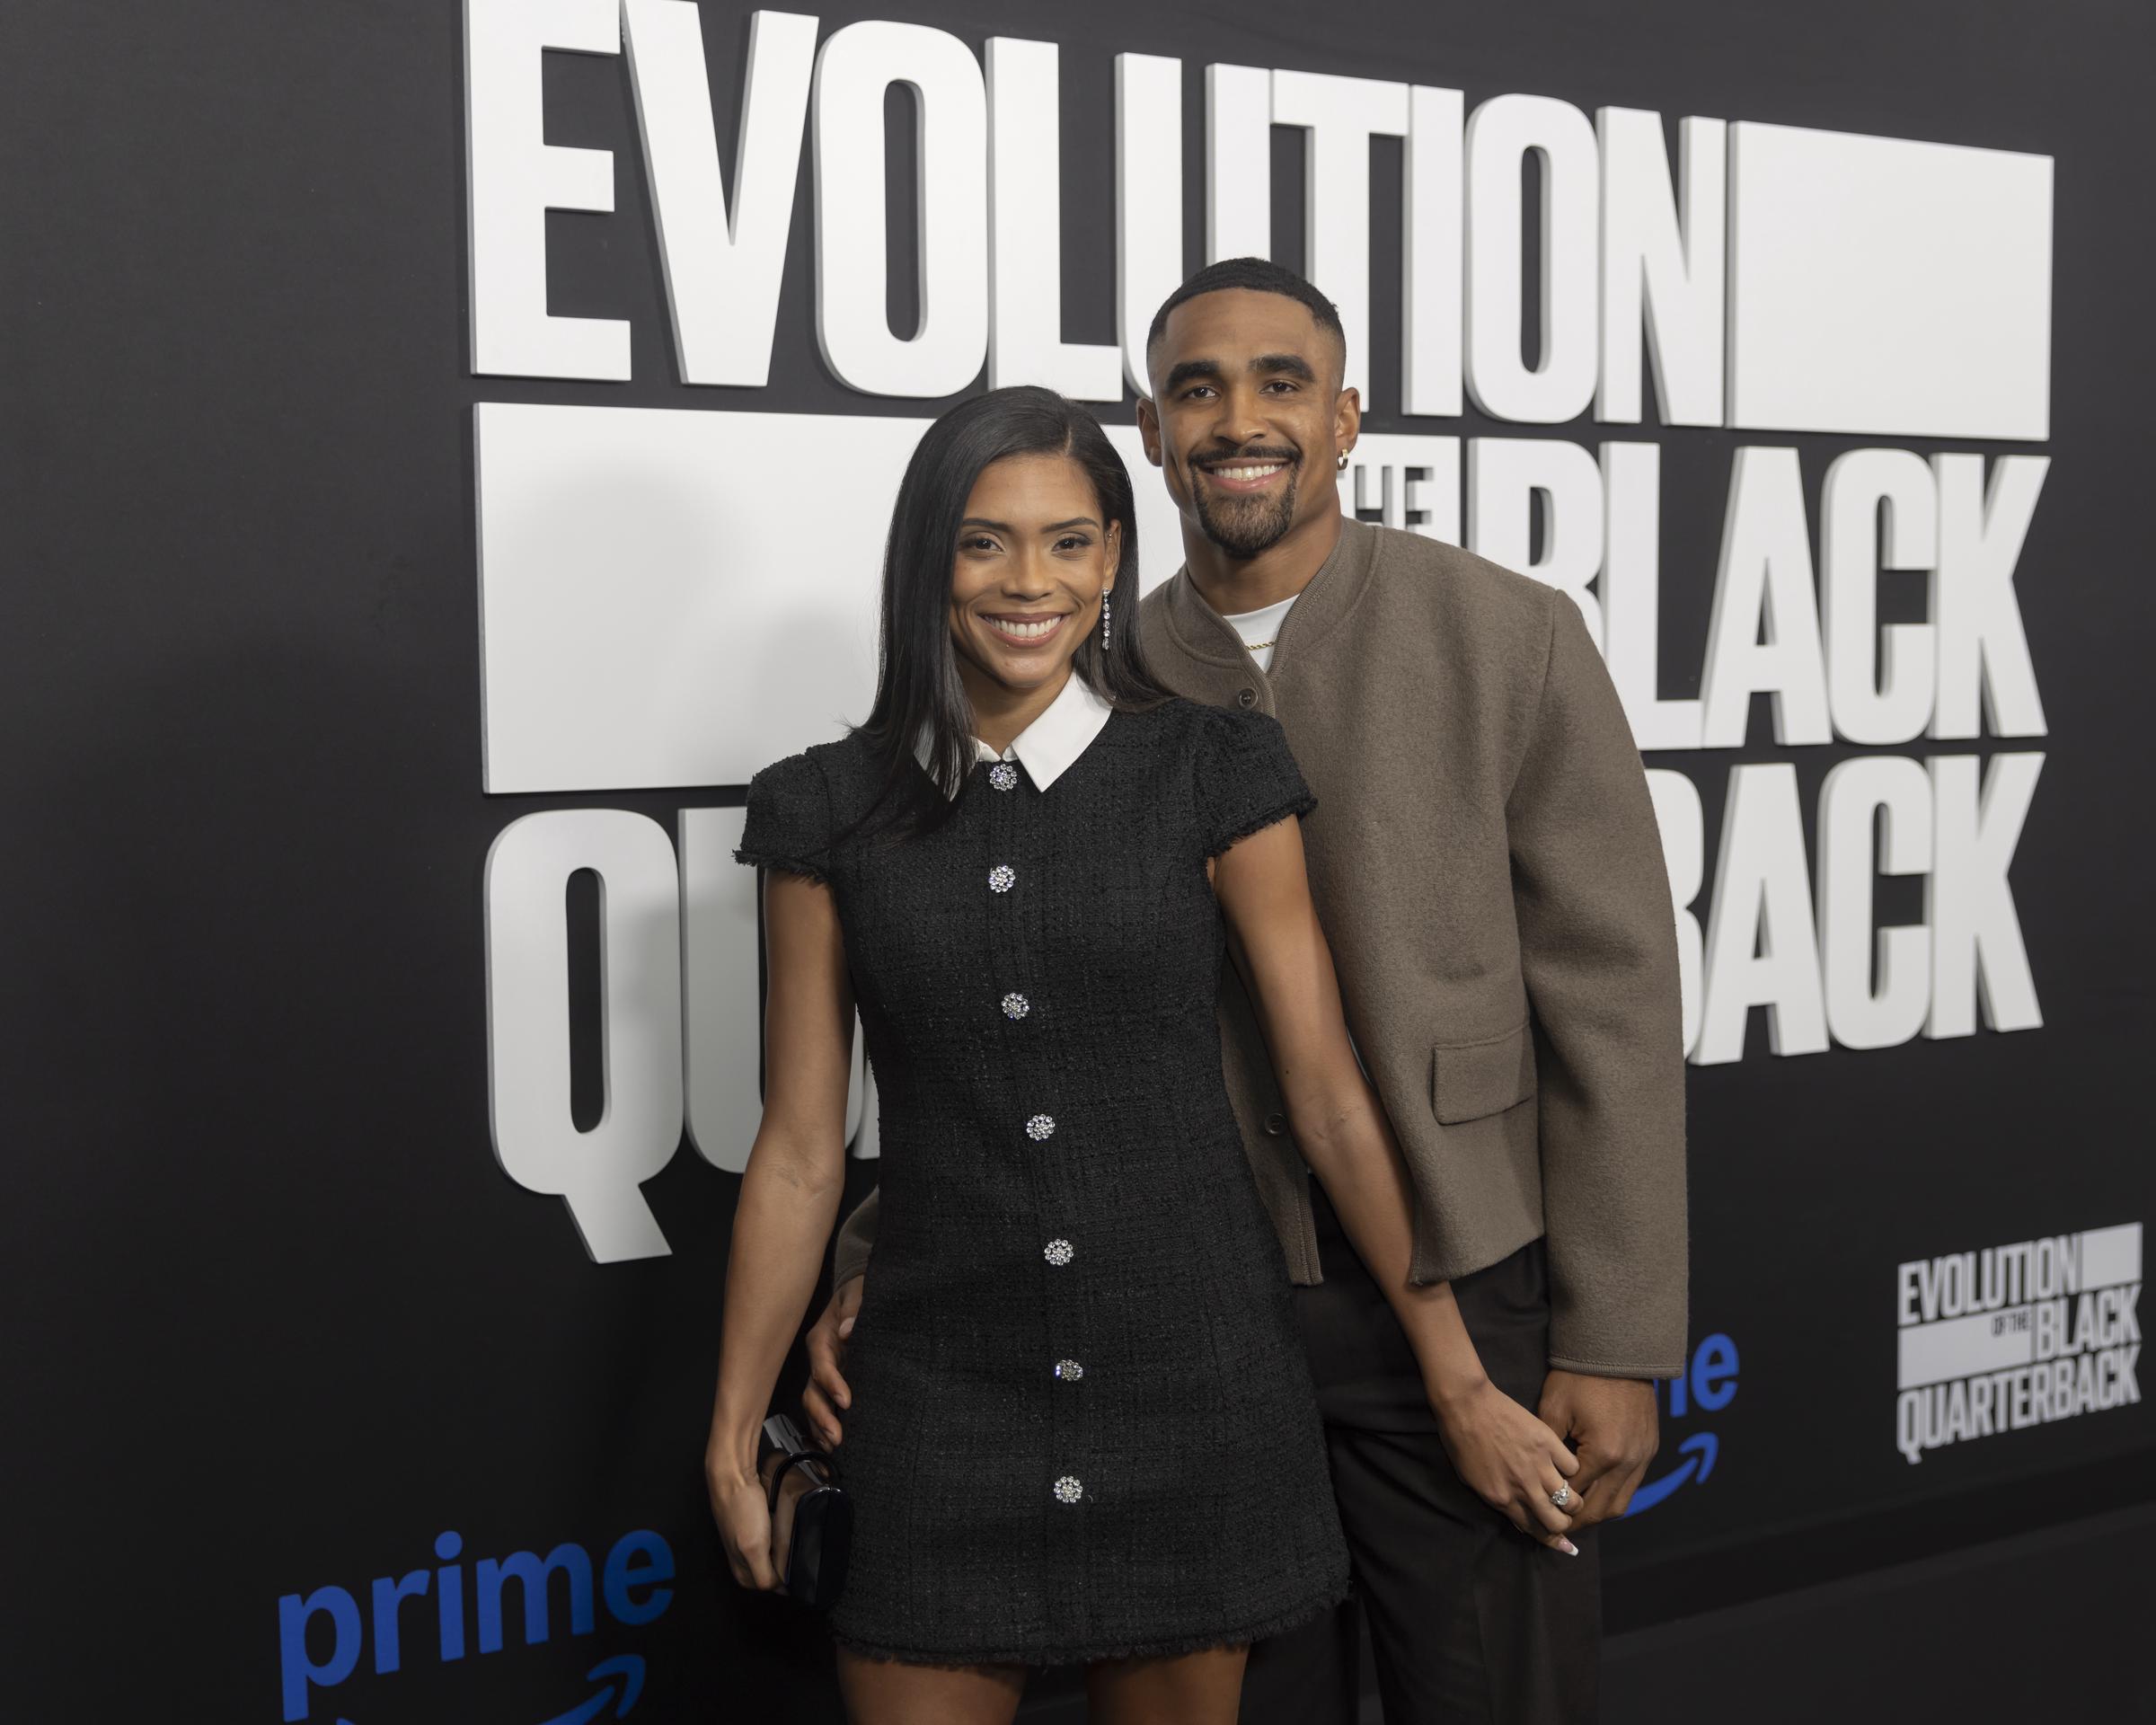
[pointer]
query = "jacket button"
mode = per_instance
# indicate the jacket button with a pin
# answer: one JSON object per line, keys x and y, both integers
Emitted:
{"x": 1246, "y": 697}
{"x": 1274, "y": 1125}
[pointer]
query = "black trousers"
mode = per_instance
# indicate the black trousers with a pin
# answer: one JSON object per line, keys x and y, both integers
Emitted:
{"x": 1469, "y": 1620}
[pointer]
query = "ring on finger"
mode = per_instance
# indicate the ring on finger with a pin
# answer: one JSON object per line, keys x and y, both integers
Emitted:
{"x": 1561, "y": 1498}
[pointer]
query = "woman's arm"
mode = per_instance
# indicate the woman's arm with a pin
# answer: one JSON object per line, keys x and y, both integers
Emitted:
{"x": 1507, "y": 1455}
{"x": 789, "y": 1200}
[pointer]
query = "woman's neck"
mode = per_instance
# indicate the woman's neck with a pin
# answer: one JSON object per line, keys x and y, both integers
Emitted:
{"x": 1000, "y": 712}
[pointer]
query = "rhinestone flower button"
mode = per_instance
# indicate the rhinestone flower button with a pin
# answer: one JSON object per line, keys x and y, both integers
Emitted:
{"x": 1069, "y": 1370}
{"x": 1003, "y": 776}
{"x": 1016, "y": 1006}
{"x": 1002, "y": 877}
{"x": 1068, "y": 1489}
{"x": 1041, "y": 1128}
{"x": 1058, "y": 1252}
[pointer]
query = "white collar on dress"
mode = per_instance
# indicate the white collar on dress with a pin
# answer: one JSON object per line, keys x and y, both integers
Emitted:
{"x": 1047, "y": 748}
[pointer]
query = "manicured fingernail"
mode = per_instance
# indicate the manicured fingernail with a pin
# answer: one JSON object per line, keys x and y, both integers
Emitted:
{"x": 845, "y": 1401}
{"x": 1567, "y": 1548}
{"x": 845, "y": 1326}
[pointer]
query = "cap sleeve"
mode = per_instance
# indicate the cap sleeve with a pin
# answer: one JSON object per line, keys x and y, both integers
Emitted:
{"x": 788, "y": 823}
{"x": 1247, "y": 780}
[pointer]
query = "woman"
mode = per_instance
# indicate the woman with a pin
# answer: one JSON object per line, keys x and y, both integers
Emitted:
{"x": 1082, "y": 1429}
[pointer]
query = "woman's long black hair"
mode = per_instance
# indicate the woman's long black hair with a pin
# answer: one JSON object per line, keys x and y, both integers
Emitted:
{"x": 918, "y": 684}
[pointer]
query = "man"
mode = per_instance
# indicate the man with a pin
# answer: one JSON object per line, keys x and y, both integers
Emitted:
{"x": 1485, "y": 860}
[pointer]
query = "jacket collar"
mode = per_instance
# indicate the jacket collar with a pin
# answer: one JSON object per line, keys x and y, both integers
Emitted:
{"x": 1326, "y": 598}
{"x": 1048, "y": 747}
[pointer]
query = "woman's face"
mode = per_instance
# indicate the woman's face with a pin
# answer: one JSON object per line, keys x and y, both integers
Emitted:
{"x": 1032, "y": 561}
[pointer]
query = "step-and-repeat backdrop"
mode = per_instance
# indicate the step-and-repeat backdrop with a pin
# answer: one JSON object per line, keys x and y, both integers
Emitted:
{"x": 448, "y": 451}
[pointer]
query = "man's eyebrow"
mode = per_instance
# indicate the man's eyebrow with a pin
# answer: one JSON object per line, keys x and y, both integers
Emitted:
{"x": 1276, "y": 365}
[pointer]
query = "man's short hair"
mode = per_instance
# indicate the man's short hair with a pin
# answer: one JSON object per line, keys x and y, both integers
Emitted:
{"x": 1258, "y": 275}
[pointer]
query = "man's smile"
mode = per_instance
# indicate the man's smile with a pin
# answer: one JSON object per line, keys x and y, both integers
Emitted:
{"x": 1246, "y": 475}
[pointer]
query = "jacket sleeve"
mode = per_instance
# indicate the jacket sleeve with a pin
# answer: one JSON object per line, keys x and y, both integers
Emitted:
{"x": 1598, "y": 952}
{"x": 856, "y": 1238}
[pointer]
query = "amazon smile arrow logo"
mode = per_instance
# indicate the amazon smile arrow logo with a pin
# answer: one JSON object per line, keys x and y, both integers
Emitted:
{"x": 1699, "y": 1451}
{"x": 628, "y": 1667}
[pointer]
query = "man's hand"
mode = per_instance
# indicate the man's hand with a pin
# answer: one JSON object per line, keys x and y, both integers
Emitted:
{"x": 827, "y": 1392}
{"x": 1612, "y": 1426}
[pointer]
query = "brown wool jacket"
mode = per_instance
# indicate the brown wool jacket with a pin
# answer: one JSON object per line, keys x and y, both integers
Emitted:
{"x": 1485, "y": 860}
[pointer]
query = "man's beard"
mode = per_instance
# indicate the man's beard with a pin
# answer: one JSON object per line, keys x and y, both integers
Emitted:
{"x": 1244, "y": 527}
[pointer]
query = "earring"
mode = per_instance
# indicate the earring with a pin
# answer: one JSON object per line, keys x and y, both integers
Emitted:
{"x": 1343, "y": 461}
{"x": 1104, "y": 622}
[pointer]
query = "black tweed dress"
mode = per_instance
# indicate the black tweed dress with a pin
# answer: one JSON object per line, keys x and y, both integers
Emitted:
{"x": 1082, "y": 1425}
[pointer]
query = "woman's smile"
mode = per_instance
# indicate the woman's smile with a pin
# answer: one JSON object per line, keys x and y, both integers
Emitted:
{"x": 1024, "y": 631}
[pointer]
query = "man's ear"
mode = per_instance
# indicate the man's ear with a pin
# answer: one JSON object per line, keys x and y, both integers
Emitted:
{"x": 1149, "y": 429}
{"x": 1347, "y": 419}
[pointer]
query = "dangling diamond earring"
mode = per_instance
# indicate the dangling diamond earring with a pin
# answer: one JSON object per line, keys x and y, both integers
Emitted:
{"x": 1104, "y": 622}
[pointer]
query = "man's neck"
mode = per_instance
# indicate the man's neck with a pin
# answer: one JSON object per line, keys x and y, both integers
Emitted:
{"x": 1232, "y": 585}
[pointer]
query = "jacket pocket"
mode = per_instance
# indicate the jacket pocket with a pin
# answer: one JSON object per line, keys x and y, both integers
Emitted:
{"x": 1471, "y": 1080}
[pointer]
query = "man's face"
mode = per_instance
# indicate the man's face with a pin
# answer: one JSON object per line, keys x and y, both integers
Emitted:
{"x": 1248, "y": 417}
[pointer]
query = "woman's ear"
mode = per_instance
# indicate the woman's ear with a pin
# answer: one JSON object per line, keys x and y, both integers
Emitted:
{"x": 1115, "y": 555}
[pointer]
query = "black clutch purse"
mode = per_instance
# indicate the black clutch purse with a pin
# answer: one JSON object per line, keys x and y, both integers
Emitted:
{"x": 811, "y": 1516}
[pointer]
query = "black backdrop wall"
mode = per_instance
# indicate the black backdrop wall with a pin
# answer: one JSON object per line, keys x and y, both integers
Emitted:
{"x": 278, "y": 1325}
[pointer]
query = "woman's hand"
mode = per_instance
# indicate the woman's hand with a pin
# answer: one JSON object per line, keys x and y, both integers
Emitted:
{"x": 1509, "y": 1459}
{"x": 788, "y": 1201}
{"x": 1506, "y": 1455}
{"x": 744, "y": 1517}
{"x": 827, "y": 1391}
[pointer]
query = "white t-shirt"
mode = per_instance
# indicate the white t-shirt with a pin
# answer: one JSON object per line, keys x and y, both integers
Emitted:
{"x": 1263, "y": 626}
